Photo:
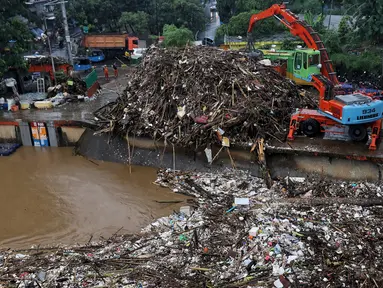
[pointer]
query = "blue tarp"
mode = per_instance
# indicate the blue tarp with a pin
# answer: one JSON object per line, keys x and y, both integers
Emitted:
{"x": 7, "y": 149}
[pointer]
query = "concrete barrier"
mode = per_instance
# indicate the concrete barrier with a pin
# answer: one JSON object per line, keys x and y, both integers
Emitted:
{"x": 8, "y": 133}
{"x": 146, "y": 152}
{"x": 70, "y": 135}
{"x": 149, "y": 153}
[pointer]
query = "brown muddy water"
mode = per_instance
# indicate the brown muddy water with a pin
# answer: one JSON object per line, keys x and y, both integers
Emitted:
{"x": 48, "y": 196}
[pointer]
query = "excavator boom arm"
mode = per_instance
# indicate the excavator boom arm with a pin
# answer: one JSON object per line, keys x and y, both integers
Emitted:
{"x": 300, "y": 29}
{"x": 272, "y": 11}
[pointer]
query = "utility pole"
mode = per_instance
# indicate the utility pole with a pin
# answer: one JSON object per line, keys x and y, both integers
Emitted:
{"x": 329, "y": 18}
{"x": 67, "y": 36}
{"x": 50, "y": 50}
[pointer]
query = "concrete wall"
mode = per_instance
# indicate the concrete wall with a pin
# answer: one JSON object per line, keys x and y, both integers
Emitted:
{"x": 149, "y": 153}
{"x": 8, "y": 133}
{"x": 69, "y": 136}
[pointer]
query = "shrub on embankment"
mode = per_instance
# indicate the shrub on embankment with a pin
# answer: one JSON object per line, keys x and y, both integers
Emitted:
{"x": 365, "y": 67}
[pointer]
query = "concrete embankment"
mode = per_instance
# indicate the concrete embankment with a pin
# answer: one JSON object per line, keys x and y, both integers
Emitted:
{"x": 149, "y": 153}
{"x": 8, "y": 133}
{"x": 146, "y": 152}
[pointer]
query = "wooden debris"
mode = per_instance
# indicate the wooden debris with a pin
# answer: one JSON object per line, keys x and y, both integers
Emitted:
{"x": 184, "y": 96}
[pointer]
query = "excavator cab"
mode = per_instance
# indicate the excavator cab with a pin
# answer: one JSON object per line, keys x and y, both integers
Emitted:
{"x": 306, "y": 64}
{"x": 298, "y": 65}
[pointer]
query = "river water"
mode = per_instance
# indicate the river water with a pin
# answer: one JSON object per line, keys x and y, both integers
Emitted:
{"x": 48, "y": 196}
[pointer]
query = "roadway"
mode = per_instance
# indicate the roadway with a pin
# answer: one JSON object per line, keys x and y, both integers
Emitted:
{"x": 213, "y": 24}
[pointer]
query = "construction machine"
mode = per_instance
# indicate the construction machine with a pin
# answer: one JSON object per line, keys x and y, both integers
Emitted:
{"x": 357, "y": 112}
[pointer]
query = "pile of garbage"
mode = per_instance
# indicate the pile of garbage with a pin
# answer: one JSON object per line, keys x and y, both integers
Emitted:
{"x": 70, "y": 90}
{"x": 43, "y": 60}
{"x": 234, "y": 232}
{"x": 70, "y": 85}
{"x": 193, "y": 96}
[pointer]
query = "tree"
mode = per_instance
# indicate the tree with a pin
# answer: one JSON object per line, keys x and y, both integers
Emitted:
{"x": 303, "y": 6}
{"x": 238, "y": 25}
{"x": 137, "y": 21}
{"x": 14, "y": 35}
{"x": 103, "y": 14}
{"x": 177, "y": 37}
{"x": 344, "y": 29}
{"x": 107, "y": 15}
{"x": 189, "y": 13}
{"x": 230, "y": 8}
{"x": 226, "y": 9}
{"x": 369, "y": 20}
{"x": 315, "y": 21}
{"x": 332, "y": 43}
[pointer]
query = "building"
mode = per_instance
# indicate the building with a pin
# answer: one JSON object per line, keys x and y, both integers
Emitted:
{"x": 39, "y": 7}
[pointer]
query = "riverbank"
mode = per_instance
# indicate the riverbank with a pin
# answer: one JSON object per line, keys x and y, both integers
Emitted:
{"x": 50, "y": 197}
{"x": 82, "y": 111}
{"x": 300, "y": 232}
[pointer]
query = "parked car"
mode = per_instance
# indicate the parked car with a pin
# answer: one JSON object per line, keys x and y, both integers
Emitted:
{"x": 96, "y": 56}
{"x": 37, "y": 32}
{"x": 208, "y": 42}
{"x": 82, "y": 64}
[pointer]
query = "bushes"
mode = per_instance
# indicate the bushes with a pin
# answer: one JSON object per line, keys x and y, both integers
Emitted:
{"x": 238, "y": 25}
{"x": 367, "y": 62}
{"x": 177, "y": 37}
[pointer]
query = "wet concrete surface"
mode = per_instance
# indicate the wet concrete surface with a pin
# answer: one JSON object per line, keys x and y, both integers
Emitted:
{"x": 82, "y": 111}
{"x": 300, "y": 166}
{"x": 325, "y": 147}
{"x": 213, "y": 24}
{"x": 48, "y": 197}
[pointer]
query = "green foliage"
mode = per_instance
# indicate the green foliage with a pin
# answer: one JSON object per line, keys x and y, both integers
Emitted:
{"x": 137, "y": 21}
{"x": 139, "y": 16}
{"x": 104, "y": 14}
{"x": 230, "y": 8}
{"x": 12, "y": 29}
{"x": 315, "y": 21}
{"x": 288, "y": 45}
{"x": 177, "y": 37}
{"x": 331, "y": 40}
{"x": 188, "y": 13}
{"x": 370, "y": 62}
{"x": 369, "y": 20}
{"x": 238, "y": 26}
{"x": 344, "y": 29}
{"x": 304, "y": 6}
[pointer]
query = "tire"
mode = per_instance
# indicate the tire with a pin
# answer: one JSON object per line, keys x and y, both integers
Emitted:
{"x": 310, "y": 127}
{"x": 357, "y": 132}
{"x": 257, "y": 54}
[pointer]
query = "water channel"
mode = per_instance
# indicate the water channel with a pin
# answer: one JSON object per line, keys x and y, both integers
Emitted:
{"x": 48, "y": 196}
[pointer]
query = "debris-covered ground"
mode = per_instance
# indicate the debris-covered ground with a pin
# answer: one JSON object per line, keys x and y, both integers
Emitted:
{"x": 189, "y": 95}
{"x": 235, "y": 232}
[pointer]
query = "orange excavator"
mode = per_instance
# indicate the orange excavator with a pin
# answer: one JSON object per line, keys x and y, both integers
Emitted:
{"x": 356, "y": 111}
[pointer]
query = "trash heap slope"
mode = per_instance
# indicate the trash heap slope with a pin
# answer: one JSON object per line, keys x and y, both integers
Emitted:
{"x": 185, "y": 95}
